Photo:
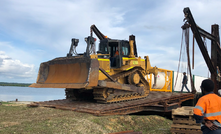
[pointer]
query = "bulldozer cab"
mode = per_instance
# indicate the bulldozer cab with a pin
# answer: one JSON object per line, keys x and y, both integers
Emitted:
{"x": 117, "y": 49}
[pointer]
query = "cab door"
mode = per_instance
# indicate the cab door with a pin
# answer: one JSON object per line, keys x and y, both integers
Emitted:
{"x": 115, "y": 48}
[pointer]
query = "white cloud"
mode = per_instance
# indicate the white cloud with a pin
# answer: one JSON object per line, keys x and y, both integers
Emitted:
{"x": 37, "y": 31}
{"x": 14, "y": 69}
{"x": 51, "y": 24}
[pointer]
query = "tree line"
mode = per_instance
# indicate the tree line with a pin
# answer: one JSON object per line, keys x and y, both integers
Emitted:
{"x": 14, "y": 84}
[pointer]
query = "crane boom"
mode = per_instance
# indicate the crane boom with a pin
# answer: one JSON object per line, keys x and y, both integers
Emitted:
{"x": 197, "y": 35}
{"x": 198, "y": 32}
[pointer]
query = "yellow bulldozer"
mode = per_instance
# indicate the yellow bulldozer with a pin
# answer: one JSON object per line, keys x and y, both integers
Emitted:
{"x": 112, "y": 74}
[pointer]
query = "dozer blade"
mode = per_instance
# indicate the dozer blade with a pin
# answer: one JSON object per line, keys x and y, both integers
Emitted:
{"x": 68, "y": 72}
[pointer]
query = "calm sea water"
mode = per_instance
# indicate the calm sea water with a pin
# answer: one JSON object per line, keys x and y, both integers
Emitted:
{"x": 11, "y": 93}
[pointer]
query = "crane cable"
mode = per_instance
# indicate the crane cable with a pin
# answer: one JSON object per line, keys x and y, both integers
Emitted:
{"x": 205, "y": 44}
{"x": 181, "y": 53}
{"x": 182, "y": 59}
{"x": 179, "y": 58}
{"x": 188, "y": 59}
{"x": 185, "y": 33}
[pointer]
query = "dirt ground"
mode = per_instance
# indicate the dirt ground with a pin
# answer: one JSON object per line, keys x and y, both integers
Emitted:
{"x": 16, "y": 117}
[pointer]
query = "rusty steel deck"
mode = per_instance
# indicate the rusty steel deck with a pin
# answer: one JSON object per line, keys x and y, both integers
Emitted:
{"x": 155, "y": 101}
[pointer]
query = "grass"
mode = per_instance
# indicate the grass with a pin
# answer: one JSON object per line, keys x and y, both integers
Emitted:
{"x": 5, "y": 102}
{"x": 19, "y": 119}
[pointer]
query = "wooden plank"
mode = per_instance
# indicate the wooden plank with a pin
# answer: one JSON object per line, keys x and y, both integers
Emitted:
{"x": 181, "y": 126}
{"x": 185, "y": 131}
{"x": 190, "y": 117}
{"x": 184, "y": 121}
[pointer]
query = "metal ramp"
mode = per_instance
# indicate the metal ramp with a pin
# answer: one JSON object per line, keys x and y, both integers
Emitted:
{"x": 155, "y": 101}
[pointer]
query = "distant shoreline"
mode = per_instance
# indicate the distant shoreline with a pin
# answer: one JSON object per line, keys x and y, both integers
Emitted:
{"x": 14, "y": 84}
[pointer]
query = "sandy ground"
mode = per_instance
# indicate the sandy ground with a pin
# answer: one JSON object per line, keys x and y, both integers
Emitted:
{"x": 20, "y": 102}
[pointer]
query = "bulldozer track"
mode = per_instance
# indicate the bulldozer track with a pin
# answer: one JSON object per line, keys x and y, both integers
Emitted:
{"x": 111, "y": 95}
{"x": 101, "y": 95}
{"x": 156, "y": 101}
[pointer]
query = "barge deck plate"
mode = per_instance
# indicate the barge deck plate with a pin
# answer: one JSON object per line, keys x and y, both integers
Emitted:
{"x": 155, "y": 101}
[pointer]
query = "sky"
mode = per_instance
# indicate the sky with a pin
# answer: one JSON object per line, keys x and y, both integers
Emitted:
{"x": 32, "y": 32}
